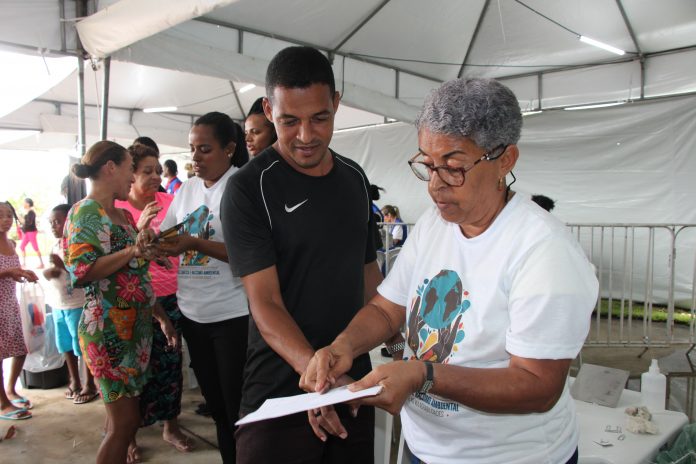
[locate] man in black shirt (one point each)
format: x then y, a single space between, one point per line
299 231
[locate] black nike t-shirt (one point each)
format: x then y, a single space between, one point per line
319 233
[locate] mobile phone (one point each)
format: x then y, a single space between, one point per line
171 232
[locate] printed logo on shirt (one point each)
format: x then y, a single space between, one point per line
290 209
197 224
435 324
434 329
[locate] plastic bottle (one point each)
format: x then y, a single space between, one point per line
653 387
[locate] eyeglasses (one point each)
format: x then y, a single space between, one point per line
454 177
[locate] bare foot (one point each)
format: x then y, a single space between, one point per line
178 440
133 456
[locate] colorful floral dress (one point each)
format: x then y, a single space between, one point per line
115 329
11 337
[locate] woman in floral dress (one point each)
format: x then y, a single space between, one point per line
109 257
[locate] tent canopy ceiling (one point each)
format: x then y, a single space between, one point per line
387 54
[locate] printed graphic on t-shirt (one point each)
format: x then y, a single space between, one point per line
435 324
198 224
434 329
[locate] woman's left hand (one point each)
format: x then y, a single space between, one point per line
399 379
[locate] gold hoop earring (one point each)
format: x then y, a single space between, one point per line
501 184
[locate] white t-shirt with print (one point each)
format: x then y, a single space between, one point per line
60 294
523 287
207 290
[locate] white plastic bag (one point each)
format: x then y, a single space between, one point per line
32 309
48 357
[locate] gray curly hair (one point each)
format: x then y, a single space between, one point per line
483 110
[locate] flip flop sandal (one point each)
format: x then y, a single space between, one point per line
18 414
85 398
69 394
23 403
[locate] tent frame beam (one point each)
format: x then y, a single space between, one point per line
236 98
215 22
632 33
105 99
121 108
481 17
359 26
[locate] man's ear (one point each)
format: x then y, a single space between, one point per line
336 100
267 108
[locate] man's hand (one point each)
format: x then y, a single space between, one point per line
326 366
325 420
399 379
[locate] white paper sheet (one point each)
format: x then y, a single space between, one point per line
278 407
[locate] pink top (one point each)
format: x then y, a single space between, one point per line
163 280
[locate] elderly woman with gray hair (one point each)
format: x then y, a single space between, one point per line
495 296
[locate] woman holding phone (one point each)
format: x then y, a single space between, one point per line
212 301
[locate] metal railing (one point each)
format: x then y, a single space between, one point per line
647 275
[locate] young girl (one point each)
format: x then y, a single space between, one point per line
12 406
29 232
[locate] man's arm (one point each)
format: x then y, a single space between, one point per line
275 324
373 277
377 321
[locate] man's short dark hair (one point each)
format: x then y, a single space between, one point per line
298 68
545 202
171 167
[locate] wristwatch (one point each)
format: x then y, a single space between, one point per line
429 378
391 349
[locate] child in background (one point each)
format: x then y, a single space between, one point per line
67 306
12 406
29 232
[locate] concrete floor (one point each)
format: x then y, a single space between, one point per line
62 432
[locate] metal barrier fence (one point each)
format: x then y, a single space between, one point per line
647 276
645 272
386 256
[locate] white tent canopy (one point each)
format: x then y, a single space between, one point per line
387 54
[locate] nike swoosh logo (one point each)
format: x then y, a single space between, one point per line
293 208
